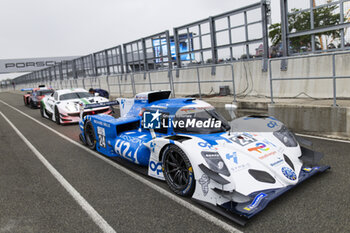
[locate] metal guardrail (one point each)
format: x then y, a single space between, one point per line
171 82
334 77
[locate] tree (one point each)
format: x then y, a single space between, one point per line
301 21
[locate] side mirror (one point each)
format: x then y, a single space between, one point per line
96 94
232 110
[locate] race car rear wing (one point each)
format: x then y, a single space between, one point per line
84 107
100 105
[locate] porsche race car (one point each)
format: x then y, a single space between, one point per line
63 106
234 168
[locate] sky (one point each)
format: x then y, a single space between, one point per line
50 28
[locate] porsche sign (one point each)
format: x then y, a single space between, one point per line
30 64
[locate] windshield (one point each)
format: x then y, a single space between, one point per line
200 121
75 95
45 92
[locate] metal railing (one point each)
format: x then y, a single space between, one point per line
333 77
172 82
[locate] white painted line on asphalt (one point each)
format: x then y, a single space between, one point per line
166 193
94 215
322 138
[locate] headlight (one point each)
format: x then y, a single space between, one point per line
215 162
286 137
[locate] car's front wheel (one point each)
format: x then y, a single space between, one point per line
57 116
178 171
32 104
89 133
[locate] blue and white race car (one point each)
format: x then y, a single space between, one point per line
236 167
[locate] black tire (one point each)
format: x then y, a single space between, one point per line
178 171
31 103
42 110
57 116
24 100
89 133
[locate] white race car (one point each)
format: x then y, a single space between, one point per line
63 106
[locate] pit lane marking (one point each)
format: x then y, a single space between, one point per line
162 191
94 215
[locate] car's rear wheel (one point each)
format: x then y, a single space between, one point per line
24 100
57 116
178 172
89 133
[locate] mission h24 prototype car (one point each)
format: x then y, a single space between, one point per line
235 169
63 106
33 98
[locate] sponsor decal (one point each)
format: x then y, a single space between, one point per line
204 182
256 201
123 149
307 169
205 145
240 167
102 123
153 146
278 162
243 139
289 173
267 155
310 169
158 106
131 138
101 136
190 180
259 147
193 109
272 124
232 156
156 167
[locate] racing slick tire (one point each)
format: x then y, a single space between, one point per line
42 111
24 100
31 103
178 171
57 116
89 133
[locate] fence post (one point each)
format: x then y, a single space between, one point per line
107 81
133 84
172 88
150 82
120 88
284 29
334 83
199 84
271 88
